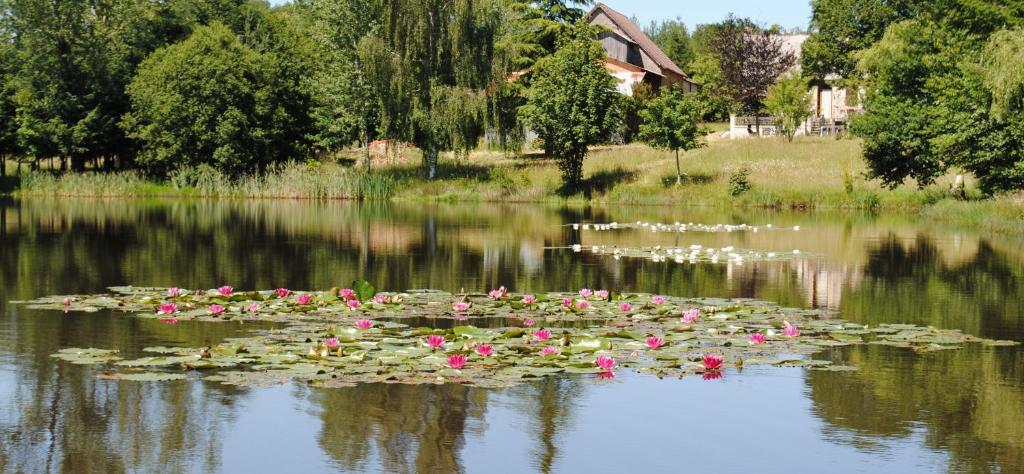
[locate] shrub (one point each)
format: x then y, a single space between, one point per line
739 182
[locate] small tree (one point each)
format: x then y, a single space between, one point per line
789 102
671 122
572 102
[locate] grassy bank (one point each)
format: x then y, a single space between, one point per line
810 173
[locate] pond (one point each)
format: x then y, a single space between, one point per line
902 411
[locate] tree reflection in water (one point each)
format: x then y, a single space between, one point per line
874 269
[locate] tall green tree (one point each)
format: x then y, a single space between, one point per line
410 70
737 60
930 97
212 100
841 28
672 122
8 114
673 38
75 58
572 102
789 102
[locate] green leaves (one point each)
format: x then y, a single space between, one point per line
324 347
364 290
87 356
572 102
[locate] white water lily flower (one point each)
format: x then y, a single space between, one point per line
796 252
575 227
577 248
796 228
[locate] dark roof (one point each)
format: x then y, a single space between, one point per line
637 35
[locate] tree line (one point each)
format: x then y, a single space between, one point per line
943 83
239 86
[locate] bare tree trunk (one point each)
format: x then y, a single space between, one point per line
431 156
366 143
3 165
679 171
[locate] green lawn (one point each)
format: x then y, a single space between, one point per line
809 173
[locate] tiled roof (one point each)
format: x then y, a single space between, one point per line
637 35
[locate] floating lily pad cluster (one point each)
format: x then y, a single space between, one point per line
687 254
678 227
342 337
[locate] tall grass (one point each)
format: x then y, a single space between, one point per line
123 184
293 180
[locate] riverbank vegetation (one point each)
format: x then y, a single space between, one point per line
239 99
807 174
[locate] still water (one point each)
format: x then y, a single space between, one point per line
960 411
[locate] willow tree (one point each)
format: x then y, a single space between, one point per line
408 70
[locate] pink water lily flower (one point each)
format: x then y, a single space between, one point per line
658 299
582 304
542 335
654 342
283 292
457 361
166 308
757 338
225 290
605 363
548 351
215 309
528 322
254 307
332 343
174 292
498 294
790 330
304 299
435 341
601 294
690 316
485 350
713 375
567 302
353 304
625 307
586 293
381 299
364 324
347 294
461 306
529 299
712 362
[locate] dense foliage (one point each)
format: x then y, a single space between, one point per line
789 103
572 102
944 92
672 121
213 100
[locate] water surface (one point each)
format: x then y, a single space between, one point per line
957 410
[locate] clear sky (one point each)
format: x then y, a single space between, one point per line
788 13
